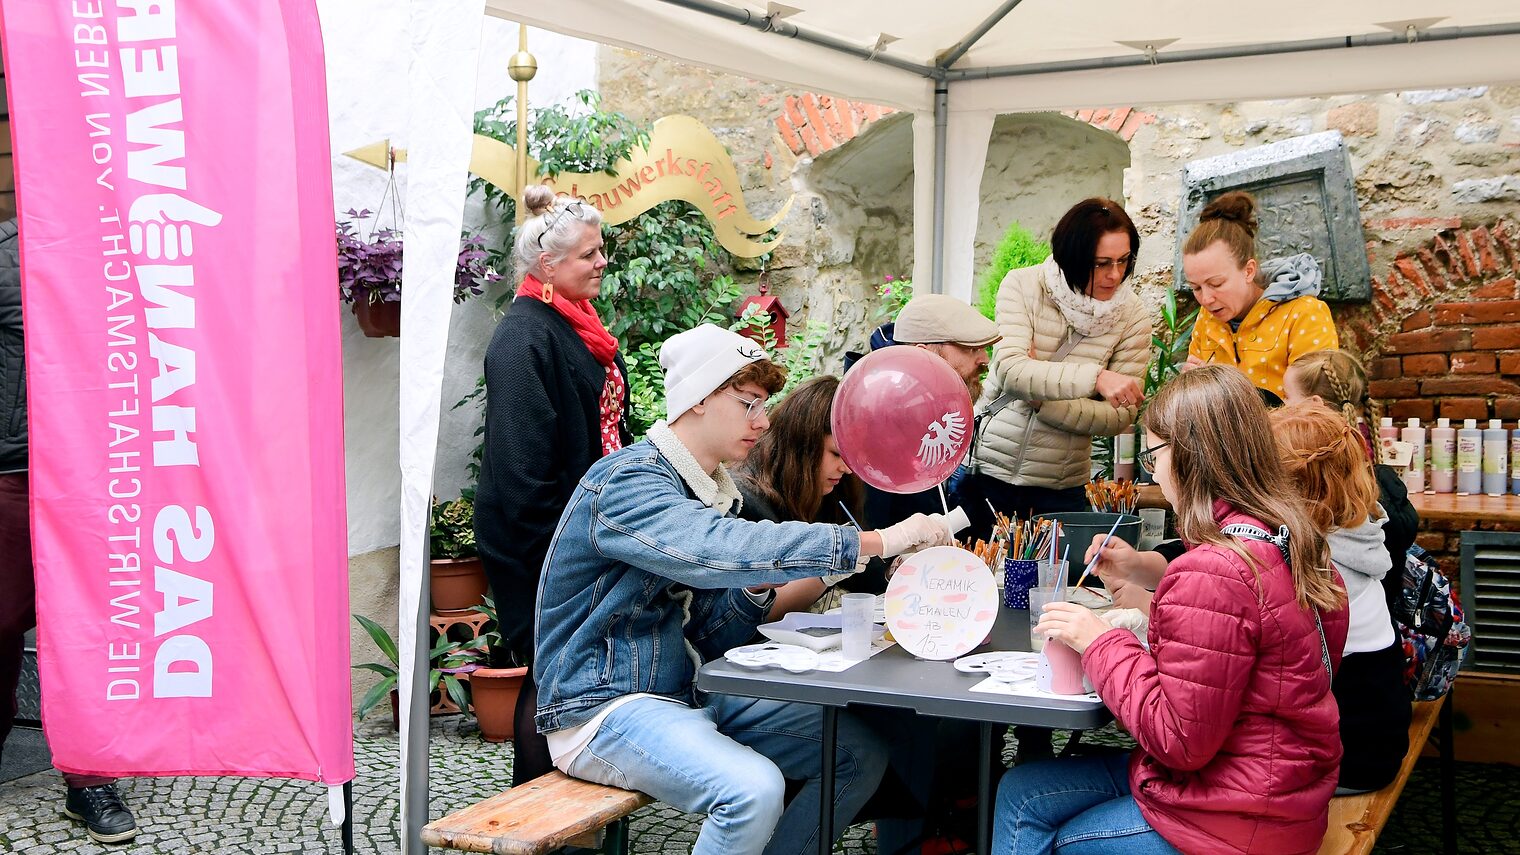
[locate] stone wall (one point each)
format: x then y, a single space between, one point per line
851 168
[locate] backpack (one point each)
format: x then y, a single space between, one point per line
1428 620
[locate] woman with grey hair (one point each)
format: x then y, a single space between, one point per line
556 402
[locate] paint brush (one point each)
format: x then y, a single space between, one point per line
846 509
1097 556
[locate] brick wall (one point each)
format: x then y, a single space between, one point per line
1442 335
817 123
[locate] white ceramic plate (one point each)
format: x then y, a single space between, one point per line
788 657
941 603
815 632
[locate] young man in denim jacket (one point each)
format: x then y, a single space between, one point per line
651 573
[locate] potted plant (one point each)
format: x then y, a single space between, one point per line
449 663
457 580
495 690
369 273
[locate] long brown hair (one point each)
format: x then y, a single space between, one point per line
1324 456
783 465
1222 449
1230 218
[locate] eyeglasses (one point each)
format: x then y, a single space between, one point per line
555 216
1120 263
1147 458
752 409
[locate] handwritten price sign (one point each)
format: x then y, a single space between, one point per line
941 603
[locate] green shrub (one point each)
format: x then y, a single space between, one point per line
1016 250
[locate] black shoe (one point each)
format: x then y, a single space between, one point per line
102 811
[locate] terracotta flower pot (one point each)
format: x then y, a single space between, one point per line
456 583
378 320
493 696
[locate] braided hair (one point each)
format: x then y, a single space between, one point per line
1340 381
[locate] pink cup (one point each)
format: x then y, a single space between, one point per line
1060 669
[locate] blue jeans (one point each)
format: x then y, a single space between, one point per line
729 760
1078 806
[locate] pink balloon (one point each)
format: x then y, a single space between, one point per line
902 418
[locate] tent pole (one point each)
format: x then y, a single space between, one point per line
416 771
959 50
1264 49
941 123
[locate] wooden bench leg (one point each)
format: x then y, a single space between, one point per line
1448 776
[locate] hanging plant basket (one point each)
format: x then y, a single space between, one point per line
378 320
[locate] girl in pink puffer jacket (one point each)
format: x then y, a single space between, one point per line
1231 705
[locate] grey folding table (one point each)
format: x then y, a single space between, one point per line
894 678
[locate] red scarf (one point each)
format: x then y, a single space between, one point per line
582 317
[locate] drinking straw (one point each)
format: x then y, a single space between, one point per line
846 509
1099 554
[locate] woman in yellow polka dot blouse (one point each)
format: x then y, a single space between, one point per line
1257 317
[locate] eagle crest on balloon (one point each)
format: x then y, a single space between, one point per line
940 441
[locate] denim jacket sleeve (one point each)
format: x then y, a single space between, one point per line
722 620
644 517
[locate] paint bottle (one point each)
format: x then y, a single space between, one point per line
1414 476
1386 430
1124 456
1443 453
1495 465
1469 458
1514 462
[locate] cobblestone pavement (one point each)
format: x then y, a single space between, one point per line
259 816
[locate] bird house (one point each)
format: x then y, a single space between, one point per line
772 308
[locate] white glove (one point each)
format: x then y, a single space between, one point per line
953 522
918 530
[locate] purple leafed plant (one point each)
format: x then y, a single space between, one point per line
370 269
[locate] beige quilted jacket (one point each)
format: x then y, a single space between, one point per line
1052 447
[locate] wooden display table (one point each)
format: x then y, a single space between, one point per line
1499 511
1502 510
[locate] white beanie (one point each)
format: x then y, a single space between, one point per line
698 361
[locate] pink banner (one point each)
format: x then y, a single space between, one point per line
184 371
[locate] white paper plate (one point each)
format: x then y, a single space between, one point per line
984 663
805 629
788 657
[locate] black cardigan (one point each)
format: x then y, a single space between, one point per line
543 431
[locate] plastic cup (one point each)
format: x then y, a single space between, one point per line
1152 527
1019 575
856 618
1038 597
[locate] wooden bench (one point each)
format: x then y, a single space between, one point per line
543 815
1356 821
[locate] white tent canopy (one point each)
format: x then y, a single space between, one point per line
955 65
989 57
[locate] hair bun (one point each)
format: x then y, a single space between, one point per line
538 199
1236 206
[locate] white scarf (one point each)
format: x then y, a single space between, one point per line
716 490
1087 316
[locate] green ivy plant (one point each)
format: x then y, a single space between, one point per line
1017 249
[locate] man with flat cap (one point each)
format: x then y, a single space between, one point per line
958 334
